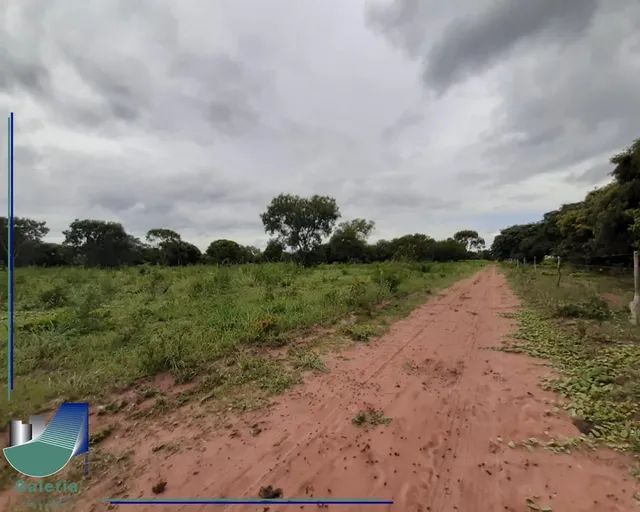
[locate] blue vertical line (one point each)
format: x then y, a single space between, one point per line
8 258
11 258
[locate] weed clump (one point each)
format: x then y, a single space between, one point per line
371 417
307 359
54 297
359 332
162 353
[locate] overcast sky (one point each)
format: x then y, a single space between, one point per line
422 116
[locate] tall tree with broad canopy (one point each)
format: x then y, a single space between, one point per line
301 223
274 251
96 243
27 239
470 239
349 240
170 249
224 252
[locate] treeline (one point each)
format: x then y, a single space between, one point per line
304 230
602 229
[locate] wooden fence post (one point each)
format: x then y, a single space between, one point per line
534 264
634 305
558 283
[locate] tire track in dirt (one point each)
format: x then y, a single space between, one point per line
450 400
333 417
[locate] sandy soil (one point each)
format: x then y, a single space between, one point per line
454 406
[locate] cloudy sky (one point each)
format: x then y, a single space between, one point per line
422 116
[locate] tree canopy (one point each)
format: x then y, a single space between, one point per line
99 243
305 231
168 248
300 223
469 239
349 240
227 251
27 239
603 228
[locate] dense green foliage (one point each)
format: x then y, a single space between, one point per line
101 329
229 252
299 224
168 248
604 228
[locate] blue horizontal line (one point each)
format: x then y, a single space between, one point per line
169 501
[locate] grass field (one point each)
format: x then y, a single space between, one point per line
85 333
583 327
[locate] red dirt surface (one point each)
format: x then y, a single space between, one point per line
454 406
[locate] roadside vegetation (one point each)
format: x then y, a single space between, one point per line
85 333
603 229
583 328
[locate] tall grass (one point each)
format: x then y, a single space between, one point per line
82 333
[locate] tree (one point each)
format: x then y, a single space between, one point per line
300 223
416 247
169 249
27 239
469 239
53 255
603 228
253 254
226 252
449 250
274 251
100 243
182 253
627 164
349 241
382 250
159 236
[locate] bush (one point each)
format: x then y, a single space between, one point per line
357 293
387 277
593 308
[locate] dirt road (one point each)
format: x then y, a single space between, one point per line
454 406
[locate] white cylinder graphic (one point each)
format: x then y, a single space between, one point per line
19 433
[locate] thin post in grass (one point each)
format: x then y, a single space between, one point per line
559 275
535 268
634 305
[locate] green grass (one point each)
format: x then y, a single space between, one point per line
82 334
583 328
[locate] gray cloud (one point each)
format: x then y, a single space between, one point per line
420 116
405 121
470 45
592 175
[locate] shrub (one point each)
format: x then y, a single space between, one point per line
387 277
593 308
356 291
